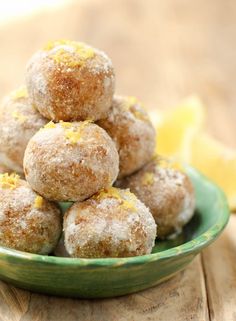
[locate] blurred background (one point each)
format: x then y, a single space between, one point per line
162 50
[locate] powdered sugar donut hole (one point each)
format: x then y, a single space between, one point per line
113 223
167 192
28 222
69 80
19 121
129 126
70 161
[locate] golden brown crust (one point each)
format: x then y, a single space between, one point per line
19 121
28 222
70 161
62 86
113 223
130 128
167 192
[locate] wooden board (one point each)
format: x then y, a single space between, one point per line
163 302
220 275
162 52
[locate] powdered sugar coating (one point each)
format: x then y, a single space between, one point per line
25 226
105 227
130 128
19 121
167 192
66 84
70 161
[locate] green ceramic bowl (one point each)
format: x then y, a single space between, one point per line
99 278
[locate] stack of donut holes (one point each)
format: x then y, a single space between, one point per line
66 137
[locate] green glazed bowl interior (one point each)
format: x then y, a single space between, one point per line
99 278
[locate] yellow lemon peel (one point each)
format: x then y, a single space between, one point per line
74 135
76 58
38 202
130 105
177 128
113 192
9 181
65 124
148 178
129 204
181 135
169 163
49 125
217 162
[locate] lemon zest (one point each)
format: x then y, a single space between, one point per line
74 136
129 205
148 178
139 115
113 192
49 125
38 202
129 105
169 163
65 124
63 56
129 102
9 181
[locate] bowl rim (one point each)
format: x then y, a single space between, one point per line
193 246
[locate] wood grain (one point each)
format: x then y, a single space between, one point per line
220 273
162 51
159 303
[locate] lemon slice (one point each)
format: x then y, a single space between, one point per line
181 136
217 162
177 128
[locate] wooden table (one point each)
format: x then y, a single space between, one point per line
162 51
